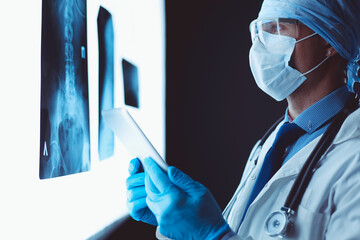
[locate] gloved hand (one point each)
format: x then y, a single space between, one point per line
136 194
184 208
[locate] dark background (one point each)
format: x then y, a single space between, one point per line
214 111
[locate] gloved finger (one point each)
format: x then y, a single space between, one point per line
145 215
150 187
135 166
154 207
182 180
157 175
136 208
149 217
136 180
135 193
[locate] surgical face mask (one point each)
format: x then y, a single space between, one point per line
270 65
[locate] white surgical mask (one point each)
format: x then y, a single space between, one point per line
270 65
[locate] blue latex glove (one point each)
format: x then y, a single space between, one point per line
136 194
184 208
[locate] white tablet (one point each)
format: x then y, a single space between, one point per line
131 136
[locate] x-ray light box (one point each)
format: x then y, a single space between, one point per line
62 172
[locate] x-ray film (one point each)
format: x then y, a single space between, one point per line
106 80
131 135
64 127
131 84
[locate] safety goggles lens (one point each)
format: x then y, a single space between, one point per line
277 26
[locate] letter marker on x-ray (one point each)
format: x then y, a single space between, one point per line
45 153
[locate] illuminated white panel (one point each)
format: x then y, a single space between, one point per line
75 206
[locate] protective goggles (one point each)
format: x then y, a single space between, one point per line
276 26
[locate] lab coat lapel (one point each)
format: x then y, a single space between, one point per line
291 167
238 202
274 194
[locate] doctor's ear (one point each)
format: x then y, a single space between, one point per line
330 50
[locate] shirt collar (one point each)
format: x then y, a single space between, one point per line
322 111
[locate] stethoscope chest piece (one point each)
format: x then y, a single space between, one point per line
278 224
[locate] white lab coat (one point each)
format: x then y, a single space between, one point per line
330 208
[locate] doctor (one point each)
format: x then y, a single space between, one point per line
304 51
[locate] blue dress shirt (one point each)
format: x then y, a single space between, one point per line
316 119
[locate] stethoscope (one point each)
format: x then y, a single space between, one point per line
280 223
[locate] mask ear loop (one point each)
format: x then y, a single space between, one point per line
313 69
311 35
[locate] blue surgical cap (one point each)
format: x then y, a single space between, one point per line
337 21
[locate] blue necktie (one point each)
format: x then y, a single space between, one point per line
286 136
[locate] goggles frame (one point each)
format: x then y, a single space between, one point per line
276 26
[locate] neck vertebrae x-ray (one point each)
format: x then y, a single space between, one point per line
64 141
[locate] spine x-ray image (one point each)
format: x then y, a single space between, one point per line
106 80
64 136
